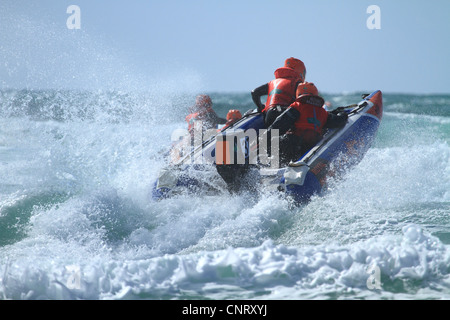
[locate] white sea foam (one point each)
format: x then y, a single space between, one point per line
282 272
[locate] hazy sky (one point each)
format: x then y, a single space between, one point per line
230 45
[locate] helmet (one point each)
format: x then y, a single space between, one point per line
297 65
233 115
308 93
306 88
203 103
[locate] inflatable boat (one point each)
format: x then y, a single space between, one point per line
220 164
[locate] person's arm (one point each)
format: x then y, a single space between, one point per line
336 120
258 93
221 120
286 120
215 119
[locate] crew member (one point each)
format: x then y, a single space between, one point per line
280 91
203 111
301 125
232 116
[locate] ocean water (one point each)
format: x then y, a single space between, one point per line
77 220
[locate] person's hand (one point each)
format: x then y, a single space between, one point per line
343 115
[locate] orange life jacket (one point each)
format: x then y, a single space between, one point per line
282 90
190 119
311 121
227 124
201 115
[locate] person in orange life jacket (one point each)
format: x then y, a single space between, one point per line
232 116
203 111
280 91
301 125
